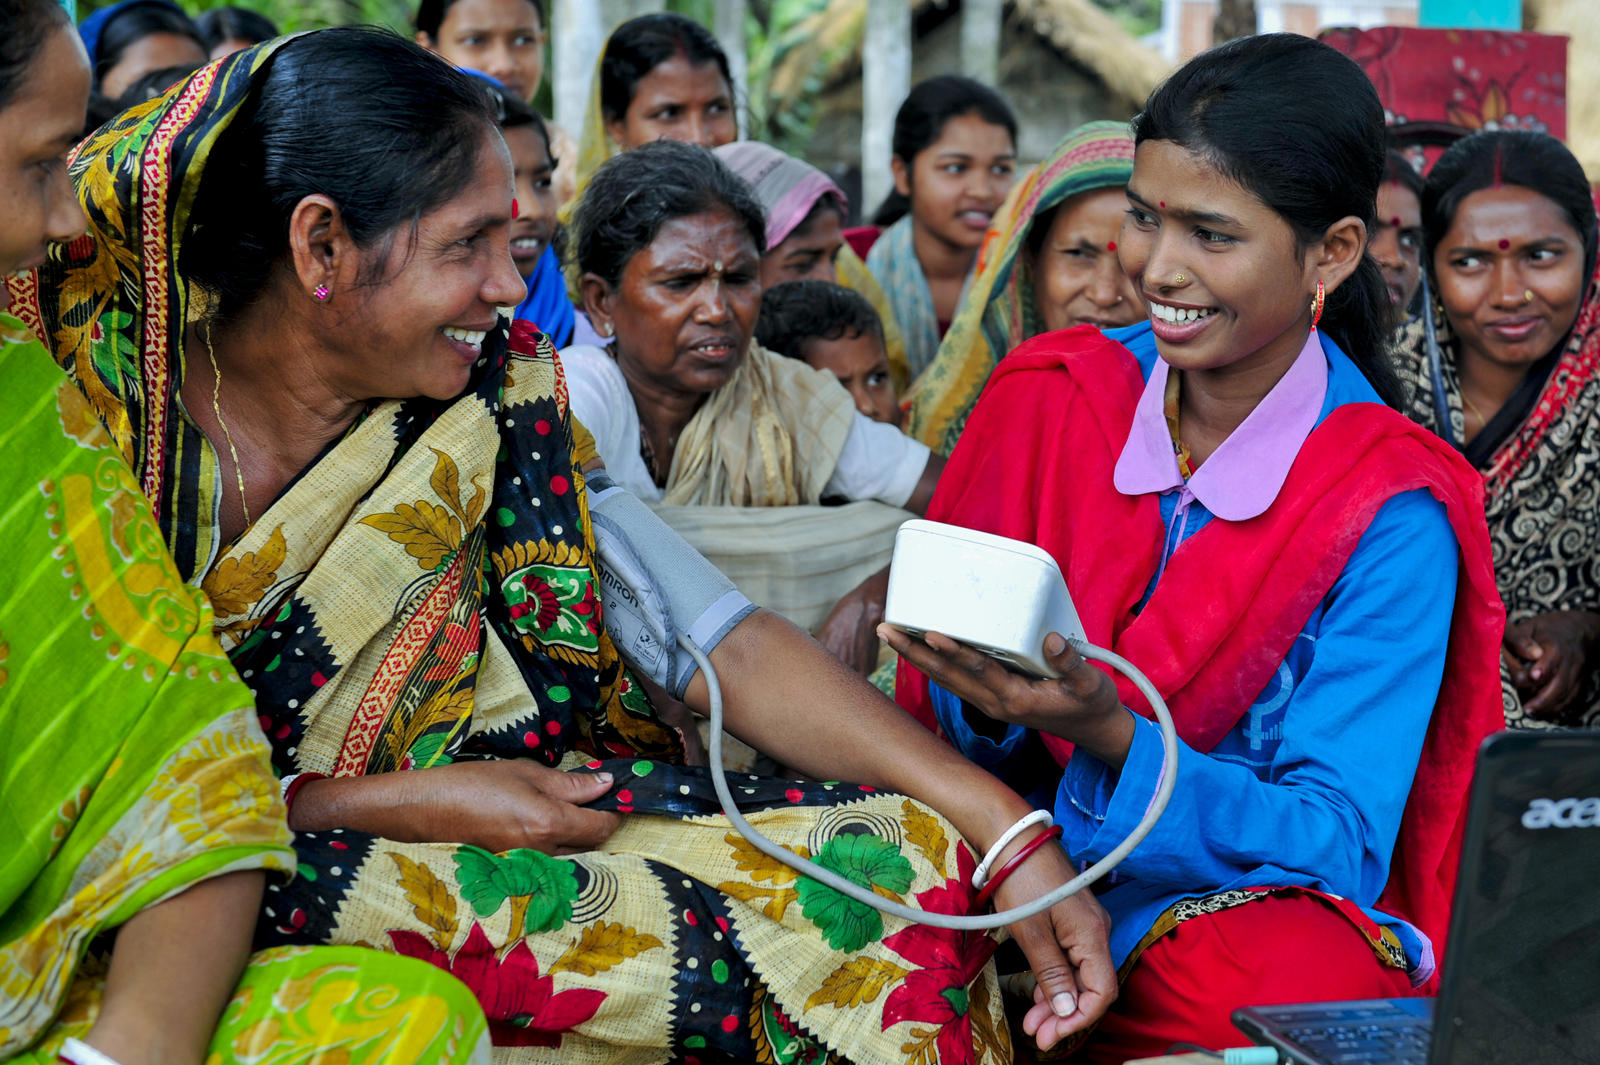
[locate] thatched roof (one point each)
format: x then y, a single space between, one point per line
1099 43
1089 36
1577 19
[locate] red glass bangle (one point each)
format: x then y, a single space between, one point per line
296 784
987 891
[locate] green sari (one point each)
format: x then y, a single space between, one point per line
134 768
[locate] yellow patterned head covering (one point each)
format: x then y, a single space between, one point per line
1000 311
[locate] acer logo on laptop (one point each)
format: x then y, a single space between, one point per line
1563 813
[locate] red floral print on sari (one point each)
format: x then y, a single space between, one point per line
541 598
937 993
524 1008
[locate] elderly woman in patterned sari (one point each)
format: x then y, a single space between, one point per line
137 804
289 328
1049 261
1506 366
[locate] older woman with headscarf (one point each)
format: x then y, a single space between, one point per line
686 408
284 314
805 233
1048 262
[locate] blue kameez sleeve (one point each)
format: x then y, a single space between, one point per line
995 755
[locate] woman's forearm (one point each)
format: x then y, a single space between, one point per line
173 970
785 695
373 803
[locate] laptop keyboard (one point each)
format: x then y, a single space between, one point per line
1390 1043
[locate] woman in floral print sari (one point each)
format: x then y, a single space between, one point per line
385 500
137 805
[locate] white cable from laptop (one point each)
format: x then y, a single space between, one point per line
976 922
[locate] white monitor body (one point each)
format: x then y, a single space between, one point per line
1000 596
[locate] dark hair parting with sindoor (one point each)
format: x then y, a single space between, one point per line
431 13
1397 169
634 194
641 44
796 313
1297 124
381 126
1492 158
921 119
24 27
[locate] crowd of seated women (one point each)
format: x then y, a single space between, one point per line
359 418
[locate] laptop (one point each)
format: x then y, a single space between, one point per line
1521 980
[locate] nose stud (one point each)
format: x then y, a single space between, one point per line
1527 295
1179 279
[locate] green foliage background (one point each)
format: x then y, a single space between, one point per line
782 37
772 29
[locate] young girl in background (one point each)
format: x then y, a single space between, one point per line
504 39
954 158
662 77
527 137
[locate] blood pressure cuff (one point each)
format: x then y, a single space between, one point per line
655 586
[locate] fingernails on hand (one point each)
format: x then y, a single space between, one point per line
604 778
883 632
1538 673
1064 1004
1055 643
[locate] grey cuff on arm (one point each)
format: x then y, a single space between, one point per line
655 586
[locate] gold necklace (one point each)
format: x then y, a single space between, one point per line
216 408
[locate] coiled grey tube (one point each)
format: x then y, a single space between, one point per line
976 922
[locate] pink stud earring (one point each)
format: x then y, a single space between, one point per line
320 292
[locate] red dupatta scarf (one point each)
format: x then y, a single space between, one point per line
1036 464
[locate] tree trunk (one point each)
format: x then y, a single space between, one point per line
578 34
1235 18
885 80
981 21
729 29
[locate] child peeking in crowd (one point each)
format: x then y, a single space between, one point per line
533 230
830 327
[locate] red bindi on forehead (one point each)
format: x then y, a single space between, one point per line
1504 244
1111 246
1395 221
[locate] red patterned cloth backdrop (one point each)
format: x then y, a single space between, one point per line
1437 85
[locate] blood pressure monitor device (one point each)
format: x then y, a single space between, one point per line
999 596
1002 597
